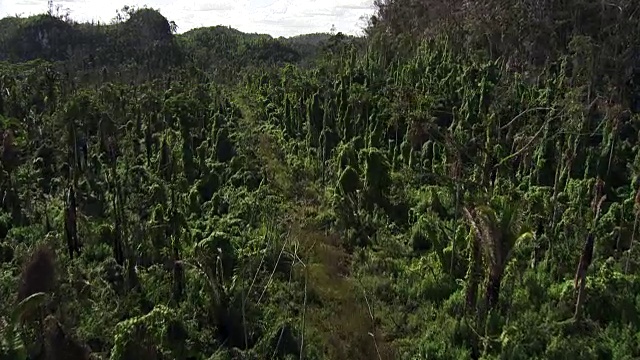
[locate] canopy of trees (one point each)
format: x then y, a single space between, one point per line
461 183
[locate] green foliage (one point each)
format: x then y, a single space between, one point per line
11 345
422 192
156 334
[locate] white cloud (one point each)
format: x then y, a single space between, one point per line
274 17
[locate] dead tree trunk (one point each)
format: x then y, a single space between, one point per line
71 228
580 280
581 274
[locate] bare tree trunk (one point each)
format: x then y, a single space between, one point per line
587 251
554 197
633 235
493 289
473 276
581 293
455 233
636 207
457 170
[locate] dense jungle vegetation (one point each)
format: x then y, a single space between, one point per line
461 183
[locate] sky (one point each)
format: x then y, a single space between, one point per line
274 17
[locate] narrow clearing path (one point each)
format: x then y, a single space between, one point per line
337 309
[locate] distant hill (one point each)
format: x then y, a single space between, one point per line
316 39
220 49
39 36
222 31
308 45
144 38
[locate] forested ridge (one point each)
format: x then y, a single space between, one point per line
463 182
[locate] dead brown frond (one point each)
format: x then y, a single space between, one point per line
455 168
598 198
492 240
474 272
7 142
59 345
599 206
38 275
488 234
8 151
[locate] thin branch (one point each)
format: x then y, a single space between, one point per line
244 316
522 114
255 276
274 270
373 321
472 222
521 150
275 351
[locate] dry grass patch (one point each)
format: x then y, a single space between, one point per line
339 314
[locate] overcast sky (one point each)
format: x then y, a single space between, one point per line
275 17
